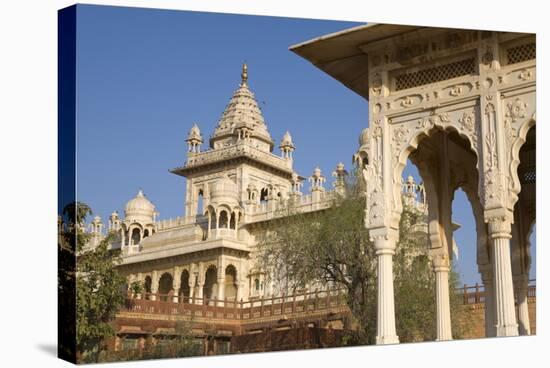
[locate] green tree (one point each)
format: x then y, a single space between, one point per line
70 238
332 247
87 276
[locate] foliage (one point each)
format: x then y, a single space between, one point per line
331 247
99 295
136 287
181 344
70 238
90 288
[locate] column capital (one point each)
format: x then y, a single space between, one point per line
441 263
384 240
499 227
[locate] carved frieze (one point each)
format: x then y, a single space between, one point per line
458 90
372 176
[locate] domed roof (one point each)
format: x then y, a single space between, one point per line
242 111
194 133
287 140
224 188
364 136
139 205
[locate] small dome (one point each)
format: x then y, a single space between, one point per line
364 136
194 133
287 140
317 172
410 179
140 207
224 188
97 219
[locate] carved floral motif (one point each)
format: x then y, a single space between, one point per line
516 109
525 75
467 121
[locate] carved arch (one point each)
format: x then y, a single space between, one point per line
515 186
405 143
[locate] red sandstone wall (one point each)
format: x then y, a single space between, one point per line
476 319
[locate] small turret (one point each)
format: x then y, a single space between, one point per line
114 221
340 174
287 146
97 225
194 140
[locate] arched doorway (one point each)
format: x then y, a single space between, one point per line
209 289
224 220
147 286
136 237
184 291
230 282
165 286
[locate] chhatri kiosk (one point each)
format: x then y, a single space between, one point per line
460 104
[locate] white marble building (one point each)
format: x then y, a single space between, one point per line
234 188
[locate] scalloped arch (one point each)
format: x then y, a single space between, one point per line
515 149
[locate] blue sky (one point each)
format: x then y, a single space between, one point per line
145 76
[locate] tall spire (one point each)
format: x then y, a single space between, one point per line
242 113
244 75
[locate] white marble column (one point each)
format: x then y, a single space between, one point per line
499 233
176 284
489 294
221 290
191 284
443 315
154 284
200 292
385 333
521 285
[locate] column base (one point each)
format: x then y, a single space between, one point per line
387 340
507 330
444 339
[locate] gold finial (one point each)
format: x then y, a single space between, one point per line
244 74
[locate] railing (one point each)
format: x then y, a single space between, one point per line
237 150
280 306
476 294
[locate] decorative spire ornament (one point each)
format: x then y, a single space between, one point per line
244 75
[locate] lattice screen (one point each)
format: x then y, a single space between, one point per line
521 53
435 74
529 177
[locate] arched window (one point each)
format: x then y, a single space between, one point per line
263 195
257 285
184 291
200 202
231 282
147 286
224 221
212 215
145 233
165 286
209 282
136 238
232 222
